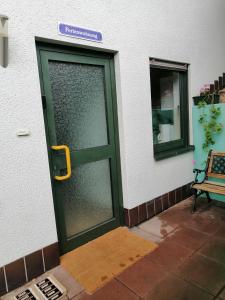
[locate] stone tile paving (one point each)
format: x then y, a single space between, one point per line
189 263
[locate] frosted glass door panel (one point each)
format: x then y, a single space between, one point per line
79 104
87 197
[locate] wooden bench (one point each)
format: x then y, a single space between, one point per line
215 169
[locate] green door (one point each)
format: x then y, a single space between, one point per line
78 92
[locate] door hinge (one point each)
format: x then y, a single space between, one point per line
44 103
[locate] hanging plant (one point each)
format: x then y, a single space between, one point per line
210 124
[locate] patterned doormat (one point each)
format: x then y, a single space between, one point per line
97 262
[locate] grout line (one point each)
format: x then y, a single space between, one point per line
138 215
129 221
127 287
25 268
208 257
79 294
220 291
43 259
168 200
175 196
154 208
185 224
6 283
147 210
192 283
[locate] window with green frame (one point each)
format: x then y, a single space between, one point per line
169 96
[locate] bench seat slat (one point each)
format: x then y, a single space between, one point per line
211 188
215 182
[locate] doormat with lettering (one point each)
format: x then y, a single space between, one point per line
97 262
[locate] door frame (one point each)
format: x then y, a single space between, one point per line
74 49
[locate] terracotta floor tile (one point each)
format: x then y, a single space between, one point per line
178 214
157 226
169 255
185 203
142 277
212 228
146 235
215 212
188 238
114 290
203 224
211 212
215 249
173 288
221 232
207 274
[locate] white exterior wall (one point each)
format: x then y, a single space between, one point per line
180 30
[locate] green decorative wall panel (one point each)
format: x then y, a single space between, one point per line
200 155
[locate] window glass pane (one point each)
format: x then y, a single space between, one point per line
165 94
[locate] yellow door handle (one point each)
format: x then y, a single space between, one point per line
68 162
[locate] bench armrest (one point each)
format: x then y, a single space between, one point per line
198 171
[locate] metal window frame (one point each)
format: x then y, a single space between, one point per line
183 142
169 65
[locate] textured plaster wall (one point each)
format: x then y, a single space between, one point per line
182 30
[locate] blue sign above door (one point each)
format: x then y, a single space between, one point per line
79 33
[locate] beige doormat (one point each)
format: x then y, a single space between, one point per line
97 262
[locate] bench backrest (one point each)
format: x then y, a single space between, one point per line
216 164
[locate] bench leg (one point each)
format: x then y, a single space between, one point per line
208 197
194 201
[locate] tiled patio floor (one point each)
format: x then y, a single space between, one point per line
189 263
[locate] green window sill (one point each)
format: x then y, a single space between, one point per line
174 152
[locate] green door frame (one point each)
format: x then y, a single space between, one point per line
66 53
